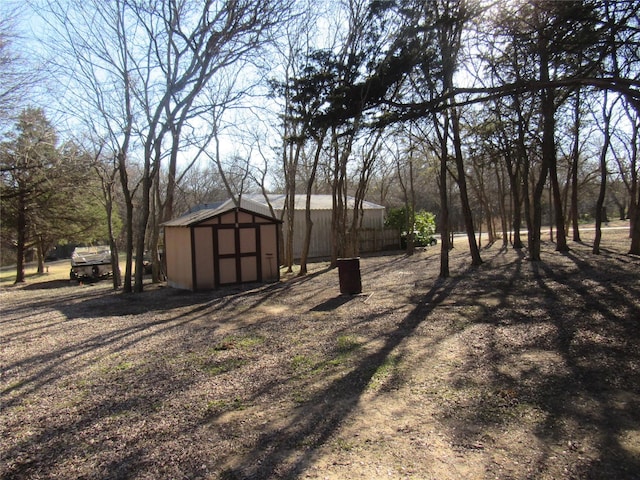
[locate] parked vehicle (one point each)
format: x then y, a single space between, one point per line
91 262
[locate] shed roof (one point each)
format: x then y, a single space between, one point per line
204 212
318 202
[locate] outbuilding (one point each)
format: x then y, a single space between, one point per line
373 235
222 244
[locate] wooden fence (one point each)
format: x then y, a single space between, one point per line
376 240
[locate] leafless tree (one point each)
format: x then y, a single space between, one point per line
158 59
187 44
92 47
17 76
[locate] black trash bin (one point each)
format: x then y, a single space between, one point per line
349 273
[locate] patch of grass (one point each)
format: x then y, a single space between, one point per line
384 372
120 366
344 445
224 366
17 385
124 365
249 341
236 341
303 364
348 343
225 405
75 398
300 397
56 271
212 361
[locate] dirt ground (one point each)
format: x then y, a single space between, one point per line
512 370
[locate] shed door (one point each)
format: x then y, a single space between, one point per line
237 256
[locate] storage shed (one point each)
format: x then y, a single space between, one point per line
222 244
372 233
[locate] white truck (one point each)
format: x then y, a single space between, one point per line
91 262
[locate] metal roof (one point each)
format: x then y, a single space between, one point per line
318 202
206 211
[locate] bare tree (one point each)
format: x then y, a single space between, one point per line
159 57
406 171
441 25
187 44
92 48
313 167
17 76
451 19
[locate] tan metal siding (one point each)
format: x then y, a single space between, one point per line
320 244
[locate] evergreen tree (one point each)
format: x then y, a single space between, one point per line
47 195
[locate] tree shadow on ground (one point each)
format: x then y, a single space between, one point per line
574 371
287 451
117 393
582 319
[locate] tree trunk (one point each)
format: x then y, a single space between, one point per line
113 246
444 219
141 229
128 200
502 205
307 211
514 182
548 149
151 167
157 274
335 201
107 176
600 214
549 154
409 198
445 240
167 210
536 225
308 228
575 214
22 238
561 236
290 169
40 253
368 161
410 202
464 197
634 193
635 232
340 243
520 195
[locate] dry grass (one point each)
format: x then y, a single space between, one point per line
510 370
58 270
